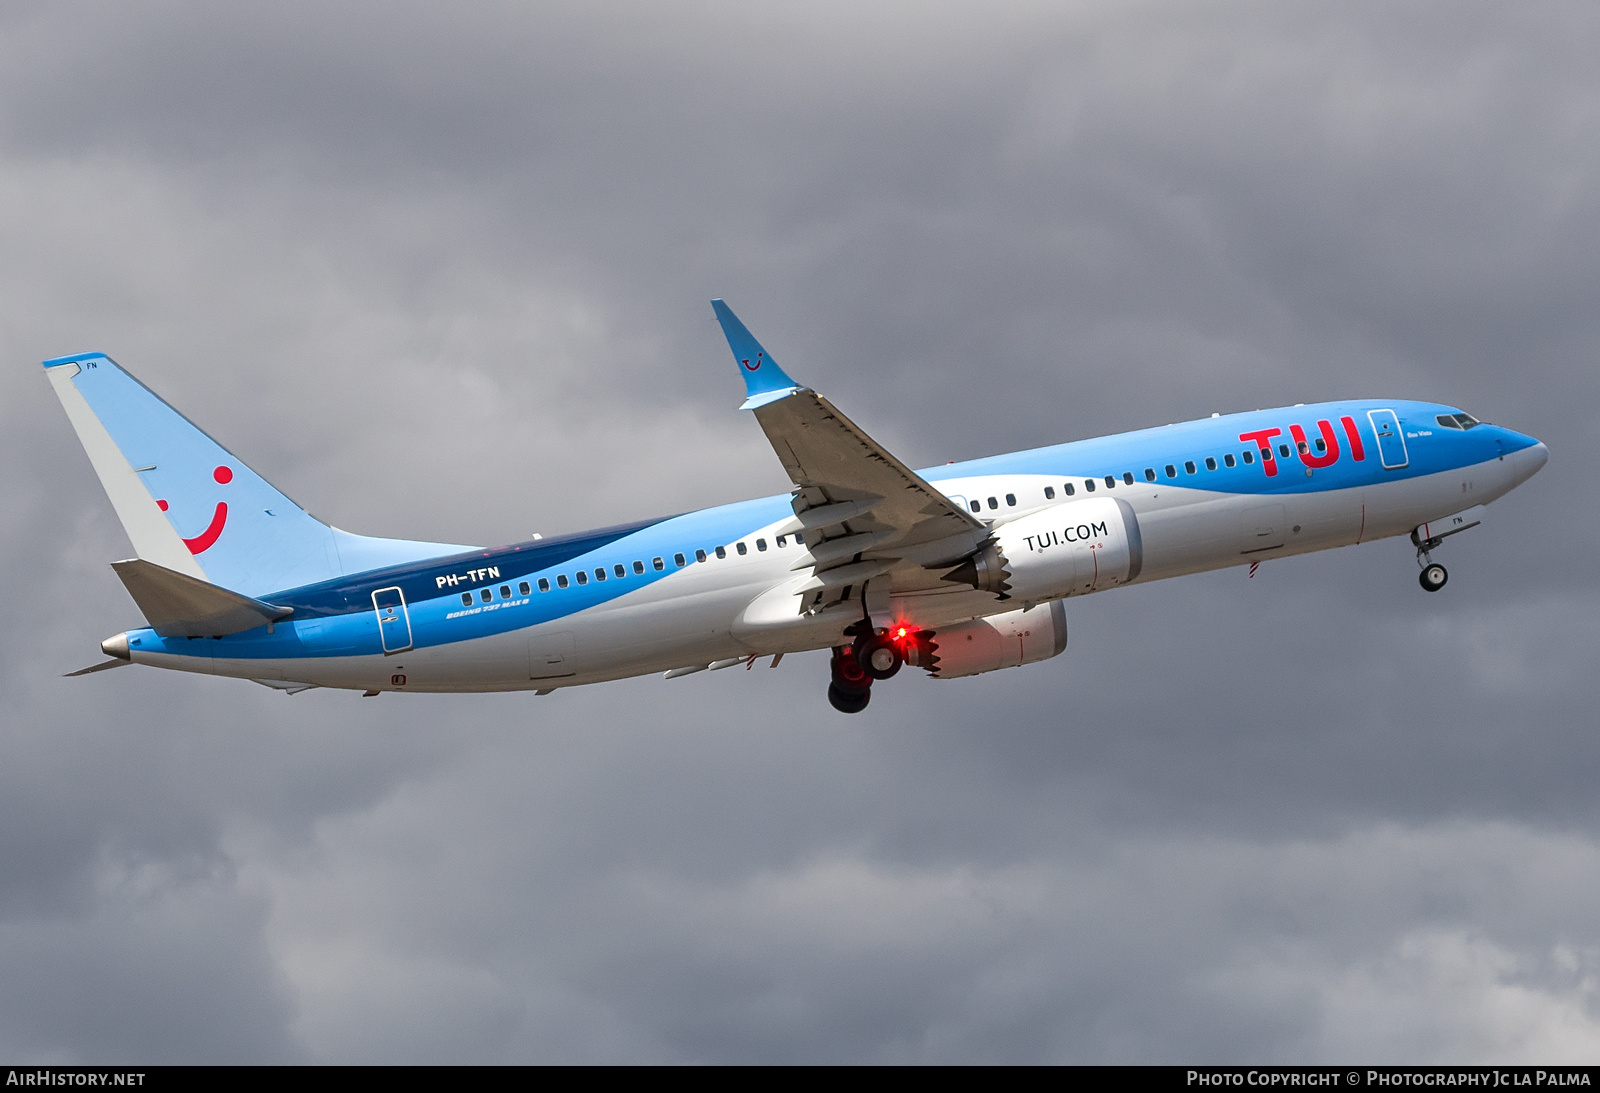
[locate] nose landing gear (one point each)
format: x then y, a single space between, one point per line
1433 575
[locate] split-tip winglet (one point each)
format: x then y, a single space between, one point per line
764 381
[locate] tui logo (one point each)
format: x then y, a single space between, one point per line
219 518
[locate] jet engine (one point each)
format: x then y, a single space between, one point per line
999 641
1065 550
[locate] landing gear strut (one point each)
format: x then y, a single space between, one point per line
1433 575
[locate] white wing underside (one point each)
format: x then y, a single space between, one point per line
864 514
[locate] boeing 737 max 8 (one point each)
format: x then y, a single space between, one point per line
956 570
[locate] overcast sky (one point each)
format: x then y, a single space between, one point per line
441 272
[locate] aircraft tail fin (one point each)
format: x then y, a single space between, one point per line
192 507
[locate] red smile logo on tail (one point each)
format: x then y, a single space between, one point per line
203 542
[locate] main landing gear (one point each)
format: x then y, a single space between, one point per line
851 688
875 655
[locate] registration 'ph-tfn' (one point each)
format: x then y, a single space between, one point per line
954 570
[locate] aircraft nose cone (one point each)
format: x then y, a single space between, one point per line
116 646
1527 462
1534 459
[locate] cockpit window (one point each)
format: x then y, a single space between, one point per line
1448 421
1467 420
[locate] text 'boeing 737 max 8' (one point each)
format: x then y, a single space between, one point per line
955 570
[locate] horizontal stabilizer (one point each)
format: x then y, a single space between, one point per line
178 606
102 666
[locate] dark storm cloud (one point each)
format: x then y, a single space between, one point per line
443 275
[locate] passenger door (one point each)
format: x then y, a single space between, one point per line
394 621
1391 441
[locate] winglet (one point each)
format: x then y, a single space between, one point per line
764 381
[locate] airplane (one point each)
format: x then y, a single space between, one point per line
955 570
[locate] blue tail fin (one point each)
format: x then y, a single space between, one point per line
190 505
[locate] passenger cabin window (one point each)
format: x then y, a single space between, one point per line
761 544
1301 446
1069 488
1266 454
1249 456
722 552
1172 472
583 578
638 566
1011 499
1127 478
741 548
1227 460
485 595
994 504
782 541
544 584
1211 463
466 599
1149 474
658 563
975 506
679 560
1088 484
1189 467
1049 493
505 592
523 588
561 580
1283 450
699 555
600 573
1111 481
619 571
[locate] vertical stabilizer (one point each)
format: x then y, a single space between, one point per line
193 507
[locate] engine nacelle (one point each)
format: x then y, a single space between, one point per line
1065 550
999 641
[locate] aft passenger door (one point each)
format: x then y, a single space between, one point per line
394 621
1391 441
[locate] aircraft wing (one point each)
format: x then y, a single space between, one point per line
846 481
